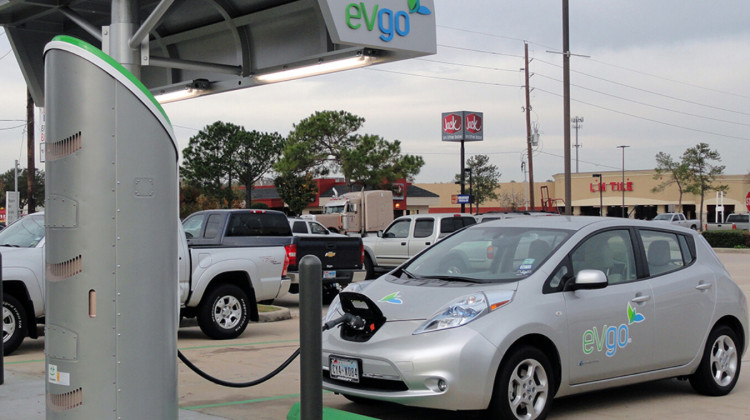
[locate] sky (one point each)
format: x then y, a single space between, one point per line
657 76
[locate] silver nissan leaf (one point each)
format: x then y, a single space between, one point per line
504 316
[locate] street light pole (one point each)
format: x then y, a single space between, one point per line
622 186
471 192
601 202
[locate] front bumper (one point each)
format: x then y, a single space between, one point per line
404 368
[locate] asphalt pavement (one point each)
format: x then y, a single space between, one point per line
264 346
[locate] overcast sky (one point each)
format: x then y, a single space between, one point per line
661 76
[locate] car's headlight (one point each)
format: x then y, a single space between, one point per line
464 310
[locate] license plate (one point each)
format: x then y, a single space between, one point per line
329 274
343 369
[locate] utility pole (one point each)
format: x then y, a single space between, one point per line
622 187
30 157
528 127
577 121
566 108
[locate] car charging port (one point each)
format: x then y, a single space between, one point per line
365 318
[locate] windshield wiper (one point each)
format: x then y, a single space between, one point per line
11 245
459 278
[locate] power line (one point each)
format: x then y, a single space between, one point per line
467 65
14 127
584 161
442 78
479 51
646 104
649 91
648 119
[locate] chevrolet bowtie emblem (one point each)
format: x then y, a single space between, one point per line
330 254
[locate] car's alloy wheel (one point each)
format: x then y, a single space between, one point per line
224 314
720 366
14 322
524 386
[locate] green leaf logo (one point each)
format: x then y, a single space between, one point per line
416 7
394 298
633 316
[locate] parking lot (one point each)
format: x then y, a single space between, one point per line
266 345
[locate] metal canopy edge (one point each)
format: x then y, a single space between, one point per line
225 44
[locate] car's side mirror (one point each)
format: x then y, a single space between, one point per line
380 234
590 279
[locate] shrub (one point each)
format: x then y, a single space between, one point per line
727 238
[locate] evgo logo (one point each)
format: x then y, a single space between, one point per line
390 23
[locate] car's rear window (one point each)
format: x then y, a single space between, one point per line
258 224
738 218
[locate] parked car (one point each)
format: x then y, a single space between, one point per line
500 215
678 219
222 272
406 236
542 307
341 256
735 221
302 227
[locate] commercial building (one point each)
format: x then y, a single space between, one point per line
642 198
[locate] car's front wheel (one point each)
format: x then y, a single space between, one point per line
14 324
524 386
720 365
224 313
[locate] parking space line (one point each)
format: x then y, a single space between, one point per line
257 400
20 362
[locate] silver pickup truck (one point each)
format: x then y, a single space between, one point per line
735 221
678 219
222 273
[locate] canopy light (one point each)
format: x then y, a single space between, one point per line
322 67
182 91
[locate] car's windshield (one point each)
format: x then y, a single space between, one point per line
488 254
25 233
663 217
334 209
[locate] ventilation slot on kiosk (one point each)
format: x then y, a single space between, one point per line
64 147
66 401
65 269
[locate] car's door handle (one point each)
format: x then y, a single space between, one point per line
640 299
403 243
426 243
703 286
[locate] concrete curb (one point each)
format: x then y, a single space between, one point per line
278 314
732 250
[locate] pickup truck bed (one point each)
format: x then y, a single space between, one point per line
341 257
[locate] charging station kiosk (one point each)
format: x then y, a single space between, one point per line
111 180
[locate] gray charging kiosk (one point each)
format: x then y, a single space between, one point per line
111 182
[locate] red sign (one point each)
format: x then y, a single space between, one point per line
747 201
613 186
474 123
451 123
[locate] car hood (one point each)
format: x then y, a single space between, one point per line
418 299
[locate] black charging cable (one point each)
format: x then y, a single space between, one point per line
353 320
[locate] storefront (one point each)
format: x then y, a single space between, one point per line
638 191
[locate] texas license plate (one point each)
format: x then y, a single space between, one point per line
329 274
343 369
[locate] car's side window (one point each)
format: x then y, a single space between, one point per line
317 228
609 251
299 227
663 251
423 228
213 225
399 229
193 226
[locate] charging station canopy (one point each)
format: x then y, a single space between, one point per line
212 46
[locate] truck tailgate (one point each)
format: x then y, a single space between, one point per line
335 253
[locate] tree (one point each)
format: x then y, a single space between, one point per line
327 142
484 179
224 154
297 190
7 183
375 162
316 143
702 171
678 174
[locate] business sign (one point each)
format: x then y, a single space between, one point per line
747 201
11 207
463 126
462 198
404 25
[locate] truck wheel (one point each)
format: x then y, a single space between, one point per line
224 313
369 269
14 324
